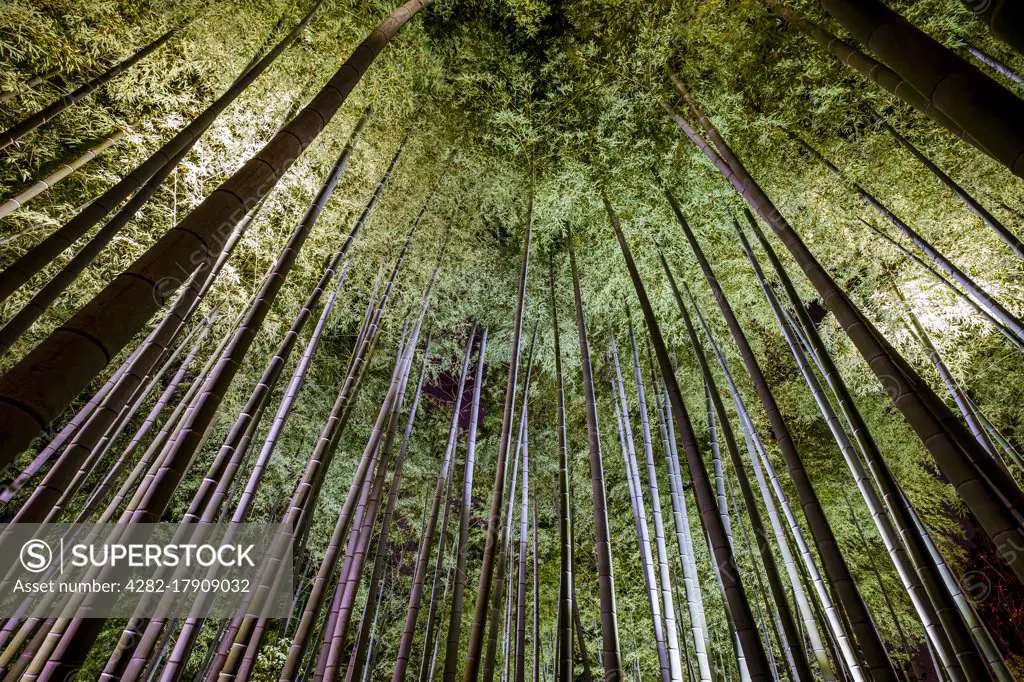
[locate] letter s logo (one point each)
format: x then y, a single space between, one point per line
36 556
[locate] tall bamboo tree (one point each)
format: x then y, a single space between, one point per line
62 171
41 385
664 571
764 472
360 650
142 181
988 112
681 523
503 591
735 596
867 66
934 273
480 613
524 508
983 214
221 378
958 394
611 658
420 574
564 654
991 61
636 499
985 488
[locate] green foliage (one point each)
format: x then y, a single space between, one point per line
567 91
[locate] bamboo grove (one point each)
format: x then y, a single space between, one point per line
566 339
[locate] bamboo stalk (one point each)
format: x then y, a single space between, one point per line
27 125
454 636
68 359
564 651
62 171
735 596
480 612
612 660
364 637
987 490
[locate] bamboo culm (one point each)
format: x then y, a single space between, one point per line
299 514
214 488
988 112
564 654
504 567
308 488
983 313
950 636
479 624
611 658
364 637
524 508
72 355
65 169
30 83
664 571
991 61
869 67
123 386
164 160
1010 239
761 466
993 497
918 544
643 533
735 595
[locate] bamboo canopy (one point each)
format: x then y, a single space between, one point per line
552 340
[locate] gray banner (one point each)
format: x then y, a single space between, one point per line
151 570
